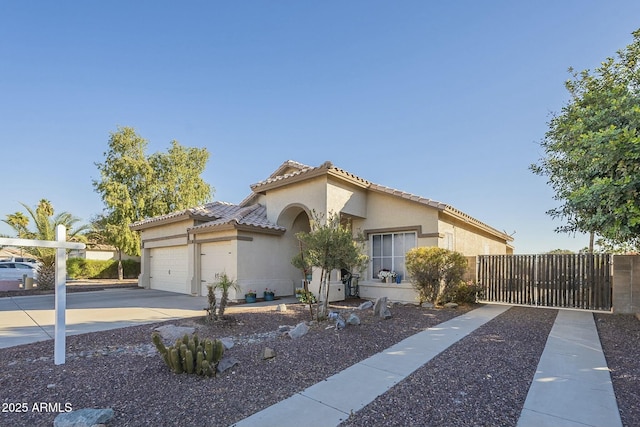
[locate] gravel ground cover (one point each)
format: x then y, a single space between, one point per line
620 339
119 368
482 380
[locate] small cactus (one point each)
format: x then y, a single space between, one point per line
190 354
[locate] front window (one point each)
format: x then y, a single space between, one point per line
387 252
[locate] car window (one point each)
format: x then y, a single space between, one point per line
4 266
23 266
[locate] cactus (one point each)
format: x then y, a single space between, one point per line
176 363
199 360
157 341
190 354
208 350
196 340
218 351
206 368
189 362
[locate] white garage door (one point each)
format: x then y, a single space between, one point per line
168 269
214 259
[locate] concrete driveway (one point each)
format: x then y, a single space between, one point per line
29 319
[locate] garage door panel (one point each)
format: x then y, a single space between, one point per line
168 269
214 259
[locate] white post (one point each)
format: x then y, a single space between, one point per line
60 244
61 298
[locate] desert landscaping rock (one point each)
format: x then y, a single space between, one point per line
171 333
451 305
268 353
226 363
299 331
365 305
353 319
83 418
281 307
227 342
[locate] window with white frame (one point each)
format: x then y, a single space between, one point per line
448 241
387 252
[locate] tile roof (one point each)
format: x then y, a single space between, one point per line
249 213
327 167
252 216
216 214
300 170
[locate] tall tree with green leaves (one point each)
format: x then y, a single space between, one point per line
45 222
134 186
592 150
330 245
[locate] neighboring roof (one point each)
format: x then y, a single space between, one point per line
300 172
215 214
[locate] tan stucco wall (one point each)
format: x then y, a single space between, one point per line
346 198
311 193
385 211
261 265
469 241
172 229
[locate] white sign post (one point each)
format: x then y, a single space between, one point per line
60 245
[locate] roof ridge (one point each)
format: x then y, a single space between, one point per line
243 212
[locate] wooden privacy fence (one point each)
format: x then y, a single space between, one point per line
553 280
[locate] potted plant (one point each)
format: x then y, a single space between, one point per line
250 296
269 294
386 276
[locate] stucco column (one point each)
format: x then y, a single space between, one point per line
144 280
626 284
193 266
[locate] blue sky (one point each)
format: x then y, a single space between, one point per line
447 100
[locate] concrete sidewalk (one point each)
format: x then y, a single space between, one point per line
361 383
572 385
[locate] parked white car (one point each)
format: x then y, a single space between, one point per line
15 270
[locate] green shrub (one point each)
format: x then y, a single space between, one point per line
464 293
80 268
434 272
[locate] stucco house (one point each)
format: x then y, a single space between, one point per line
254 241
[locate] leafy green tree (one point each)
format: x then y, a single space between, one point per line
592 150
134 186
104 233
44 227
434 272
179 172
330 245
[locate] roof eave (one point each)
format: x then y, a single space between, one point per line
141 225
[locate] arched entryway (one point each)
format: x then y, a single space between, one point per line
295 218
